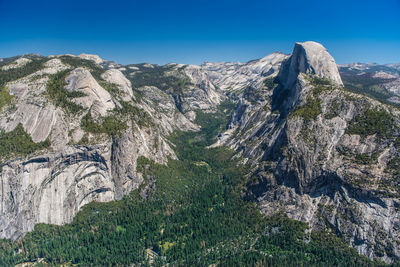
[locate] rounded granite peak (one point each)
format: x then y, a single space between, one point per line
312 57
95 58
311 44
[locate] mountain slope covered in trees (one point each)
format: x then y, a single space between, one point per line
285 160
193 215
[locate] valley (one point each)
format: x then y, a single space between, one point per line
288 159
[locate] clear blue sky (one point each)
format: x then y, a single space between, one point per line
204 30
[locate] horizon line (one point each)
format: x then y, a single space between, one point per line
172 62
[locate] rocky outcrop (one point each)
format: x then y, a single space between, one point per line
202 94
310 58
213 83
114 76
394 65
374 79
307 58
31 107
312 152
20 62
236 77
51 186
310 163
95 58
95 97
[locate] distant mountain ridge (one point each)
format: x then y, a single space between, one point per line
379 81
321 141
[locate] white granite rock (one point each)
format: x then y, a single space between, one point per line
97 98
95 58
20 62
116 77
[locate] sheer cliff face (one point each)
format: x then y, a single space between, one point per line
83 163
321 153
312 57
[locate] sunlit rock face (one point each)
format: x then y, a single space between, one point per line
50 186
311 58
297 135
293 124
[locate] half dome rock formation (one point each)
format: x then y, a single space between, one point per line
318 61
316 151
305 136
310 58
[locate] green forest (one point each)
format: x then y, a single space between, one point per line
193 215
18 143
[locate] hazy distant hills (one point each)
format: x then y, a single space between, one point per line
379 81
284 160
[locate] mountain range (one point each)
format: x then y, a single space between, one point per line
297 140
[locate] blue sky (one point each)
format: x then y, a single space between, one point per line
197 31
